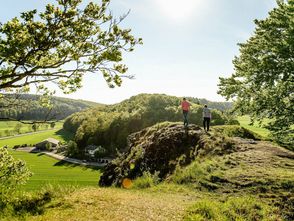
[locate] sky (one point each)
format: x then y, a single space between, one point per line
188 45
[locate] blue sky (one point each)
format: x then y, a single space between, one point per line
188 44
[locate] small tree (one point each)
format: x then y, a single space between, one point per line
17 128
52 125
72 149
7 132
35 127
12 174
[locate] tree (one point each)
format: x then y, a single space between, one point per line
61 45
52 125
263 82
17 128
35 127
72 149
12 173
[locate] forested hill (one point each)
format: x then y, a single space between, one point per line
27 107
110 125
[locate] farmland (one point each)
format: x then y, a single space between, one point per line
47 170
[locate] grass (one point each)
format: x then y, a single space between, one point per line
117 204
25 128
58 134
234 208
47 170
175 202
245 121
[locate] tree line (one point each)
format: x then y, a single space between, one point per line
29 107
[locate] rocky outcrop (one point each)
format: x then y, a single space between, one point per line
161 148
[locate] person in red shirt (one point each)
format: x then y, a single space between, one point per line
186 108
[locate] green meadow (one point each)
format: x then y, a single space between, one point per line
34 138
7 128
245 122
47 170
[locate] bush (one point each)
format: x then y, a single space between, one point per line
48 146
146 181
16 146
235 208
13 173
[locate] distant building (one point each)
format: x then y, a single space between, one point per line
53 143
90 150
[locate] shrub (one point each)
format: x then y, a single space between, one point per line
146 181
48 146
12 174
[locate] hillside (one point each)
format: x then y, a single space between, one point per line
177 174
109 126
27 107
213 162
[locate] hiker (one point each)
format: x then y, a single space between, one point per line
186 108
206 117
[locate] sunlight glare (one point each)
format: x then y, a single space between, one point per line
178 10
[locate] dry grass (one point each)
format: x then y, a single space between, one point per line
119 204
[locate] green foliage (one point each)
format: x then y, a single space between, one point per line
52 125
146 180
62 44
72 149
109 126
193 173
27 107
263 82
234 208
236 131
12 174
48 146
17 128
256 127
100 152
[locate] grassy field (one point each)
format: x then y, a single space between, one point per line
7 128
47 170
58 134
245 121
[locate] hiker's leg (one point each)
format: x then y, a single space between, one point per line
185 117
204 123
208 122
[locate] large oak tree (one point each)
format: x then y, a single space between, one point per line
262 84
